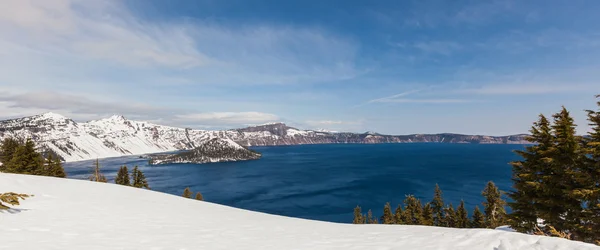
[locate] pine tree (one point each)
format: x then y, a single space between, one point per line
462 216
590 230
560 202
187 193
26 160
478 219
427 215
371 219
358 216
97 175
493 206
53 167
123 177
139 179
7 150
199 196
398 215
450 216
527 177
388 217
413 211
437 205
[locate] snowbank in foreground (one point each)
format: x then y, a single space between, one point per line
76 214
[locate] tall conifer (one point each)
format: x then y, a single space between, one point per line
139 179
427 216
413 211
527 177
591 173
388 217
437 205
358 216
560 205
398 215
26 160
462 216
7 150
493 206
478 219
123 177
449 216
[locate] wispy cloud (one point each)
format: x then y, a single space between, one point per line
227 118
83 108
394 96
433 101
73 42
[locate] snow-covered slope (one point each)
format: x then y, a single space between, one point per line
114 136
69 214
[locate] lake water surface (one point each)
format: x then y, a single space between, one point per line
325 182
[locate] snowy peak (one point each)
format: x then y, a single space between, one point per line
51 116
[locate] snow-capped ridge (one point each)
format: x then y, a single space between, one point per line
118 136
51 116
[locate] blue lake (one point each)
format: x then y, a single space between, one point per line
325 182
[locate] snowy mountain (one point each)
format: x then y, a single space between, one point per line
213 150
118 136
67 214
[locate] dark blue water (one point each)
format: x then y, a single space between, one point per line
325 182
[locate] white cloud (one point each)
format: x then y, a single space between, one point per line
383 99
227 118
74 42
432 101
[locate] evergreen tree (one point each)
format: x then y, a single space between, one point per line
591 170
139 179
388 217
398 215
53 167
123 177
199 196
358 216
493 206
427 215
413 211
7 150
437 205
26 160
462 216
527 177
371 219
187 193
560 202
97 175
450 216
478 219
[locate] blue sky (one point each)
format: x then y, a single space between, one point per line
396 67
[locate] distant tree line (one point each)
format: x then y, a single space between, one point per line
437 213
20 157
556 188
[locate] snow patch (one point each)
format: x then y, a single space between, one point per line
66 214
